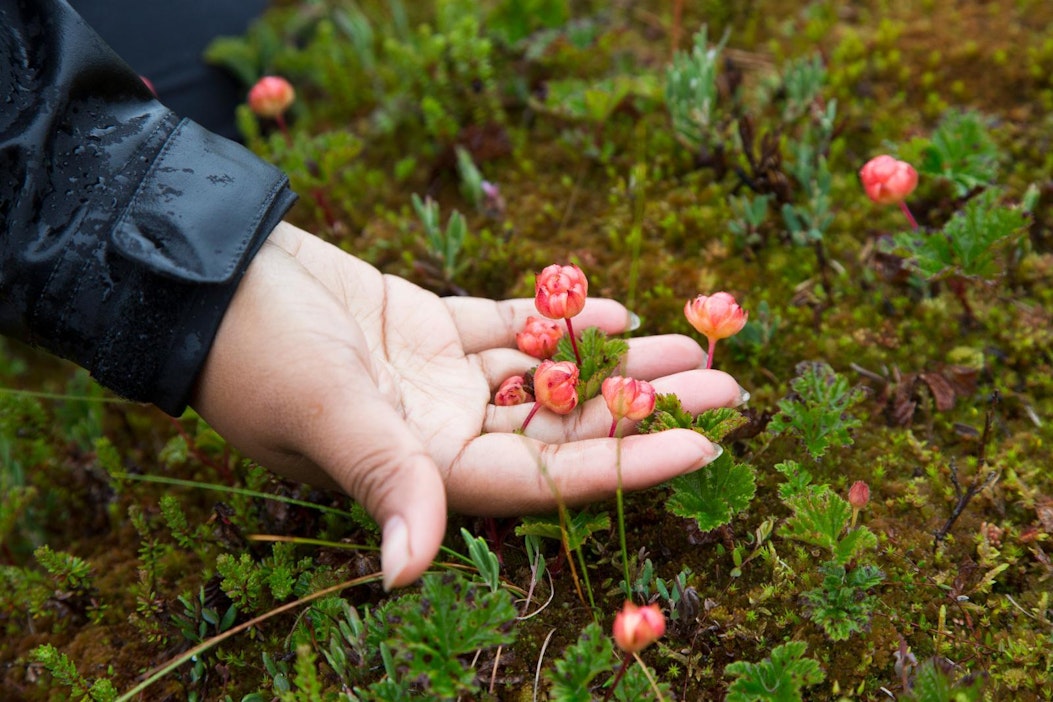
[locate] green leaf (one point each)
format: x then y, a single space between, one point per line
798 480
572 674
969 242
429 633
842 605
713 494
580 527
600 356
855 541
691 93
819 518
717 423
593 101
775 679
484 559
668 414
817 409
714 424
961 151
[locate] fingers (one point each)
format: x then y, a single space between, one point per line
649 357
697 390
653 357
529 474
484 324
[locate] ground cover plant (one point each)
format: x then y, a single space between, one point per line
878 526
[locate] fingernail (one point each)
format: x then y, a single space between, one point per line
744 395
713 454
634 321
394 550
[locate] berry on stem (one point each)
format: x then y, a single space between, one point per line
716 317
555 388
636 628
270 97
627 398
560 293
888 181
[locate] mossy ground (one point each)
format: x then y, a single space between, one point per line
979 602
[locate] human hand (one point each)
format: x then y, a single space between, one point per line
331 373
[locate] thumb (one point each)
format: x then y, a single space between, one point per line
372 454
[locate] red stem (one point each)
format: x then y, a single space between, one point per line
614 425
906 212
573 341
533 411
618 676
709 356
280 119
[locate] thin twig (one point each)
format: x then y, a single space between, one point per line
979 483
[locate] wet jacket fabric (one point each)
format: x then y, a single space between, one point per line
125 229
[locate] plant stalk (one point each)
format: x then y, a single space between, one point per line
618 676
620 501
573 341
907 213
533 411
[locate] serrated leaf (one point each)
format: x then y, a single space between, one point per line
961 151
572 675
819 518
798 480
968 243
855 541
580 527
717 423
775 679
713 494
668 414
451 617
600 356
842 605
817 411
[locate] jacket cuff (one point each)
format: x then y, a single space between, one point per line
150 305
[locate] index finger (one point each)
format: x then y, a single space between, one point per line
509 474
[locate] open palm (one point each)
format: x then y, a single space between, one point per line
329 372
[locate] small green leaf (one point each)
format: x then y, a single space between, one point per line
484 559
775 679
817 409
573 673
713 494
600 356
580 527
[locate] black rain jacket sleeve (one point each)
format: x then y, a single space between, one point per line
125 230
